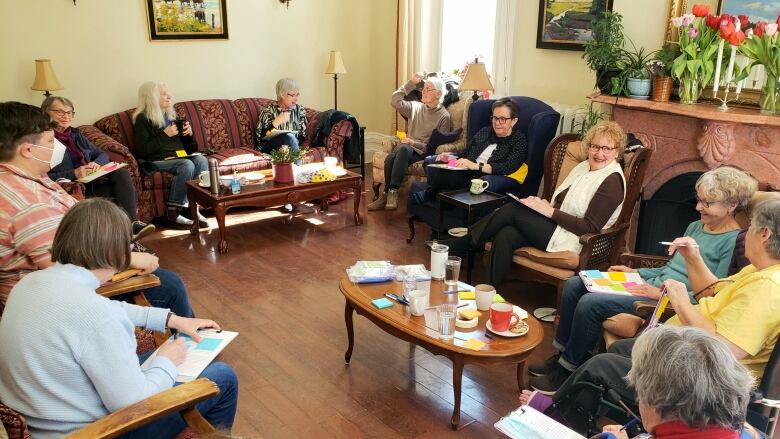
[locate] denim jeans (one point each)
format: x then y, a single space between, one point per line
171 294
396 164
184 170
288 139
581 316
219 411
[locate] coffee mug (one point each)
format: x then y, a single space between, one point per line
330 162
484 295
418 301
478 185
180 124
204 178
501 315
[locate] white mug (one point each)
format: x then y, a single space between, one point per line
478 185
484 295
204 178
331 162
418 301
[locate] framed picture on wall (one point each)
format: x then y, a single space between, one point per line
187 19
757 10
565 24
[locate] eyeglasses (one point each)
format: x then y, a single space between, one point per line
293 95
500 120
604 149
705 203
61 113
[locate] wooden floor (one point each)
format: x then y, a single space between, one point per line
278 286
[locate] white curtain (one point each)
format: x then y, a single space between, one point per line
503 50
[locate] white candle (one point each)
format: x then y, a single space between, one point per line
730 71
742 63
716 81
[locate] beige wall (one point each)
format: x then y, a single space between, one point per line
101 53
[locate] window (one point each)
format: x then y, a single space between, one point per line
467 30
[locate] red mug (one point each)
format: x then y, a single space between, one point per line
501 316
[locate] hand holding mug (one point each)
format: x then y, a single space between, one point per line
187 129
171 130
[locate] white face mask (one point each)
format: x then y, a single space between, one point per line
58 152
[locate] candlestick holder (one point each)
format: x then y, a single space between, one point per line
725 99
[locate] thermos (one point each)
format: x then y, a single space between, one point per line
439 254
214 176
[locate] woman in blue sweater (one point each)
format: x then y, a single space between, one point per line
67 354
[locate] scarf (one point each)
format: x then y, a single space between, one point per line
76 155
678 430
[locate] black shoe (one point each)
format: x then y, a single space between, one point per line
541 369
550 383
141 229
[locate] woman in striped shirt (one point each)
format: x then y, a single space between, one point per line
283 115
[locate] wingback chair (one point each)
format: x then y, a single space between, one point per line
537 120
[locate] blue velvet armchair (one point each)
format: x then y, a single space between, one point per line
537 120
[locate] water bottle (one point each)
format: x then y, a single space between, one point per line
214 176
235 184
438 258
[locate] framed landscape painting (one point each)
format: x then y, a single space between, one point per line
565 24
757 10
187 19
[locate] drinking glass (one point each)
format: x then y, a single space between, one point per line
447 321
451 272
410 284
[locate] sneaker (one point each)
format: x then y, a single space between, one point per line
141 229
550 383
379 203
541 369
137 247
201 220
392 200
181 222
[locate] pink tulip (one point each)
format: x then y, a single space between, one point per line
693 32
687 19
677 21
771 29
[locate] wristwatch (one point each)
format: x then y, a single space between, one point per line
481 165
168 319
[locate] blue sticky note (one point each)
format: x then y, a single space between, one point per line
208 344
382 303
593 274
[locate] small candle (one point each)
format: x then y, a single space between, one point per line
730 71
716 81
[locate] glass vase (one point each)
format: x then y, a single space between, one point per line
690 89
769 96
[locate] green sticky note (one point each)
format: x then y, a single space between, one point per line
618 287
498 299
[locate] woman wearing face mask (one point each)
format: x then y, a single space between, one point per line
82 158
284 114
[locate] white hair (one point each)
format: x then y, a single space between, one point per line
285 85
767 216
149 104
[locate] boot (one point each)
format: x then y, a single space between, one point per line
379 203
392 200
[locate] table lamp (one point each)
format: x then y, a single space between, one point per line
45 79
476 79
335 66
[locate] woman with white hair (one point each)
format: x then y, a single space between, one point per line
158 140
286 116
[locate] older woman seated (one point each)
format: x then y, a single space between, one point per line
67 354
285 115
82 158
587 201
721 193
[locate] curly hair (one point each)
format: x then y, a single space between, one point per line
609 129
728 185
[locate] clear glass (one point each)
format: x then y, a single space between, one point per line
451 272
447 321
769 96
690 89
410 284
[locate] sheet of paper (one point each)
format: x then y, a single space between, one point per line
199 355
527 422
105 169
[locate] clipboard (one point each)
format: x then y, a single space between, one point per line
614 282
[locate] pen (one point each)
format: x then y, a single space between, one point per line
630 423
397 299
458 291
678 245
459 306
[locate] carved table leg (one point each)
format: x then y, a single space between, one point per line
457 377
219 212
348 311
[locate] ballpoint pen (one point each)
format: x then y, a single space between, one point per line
395 297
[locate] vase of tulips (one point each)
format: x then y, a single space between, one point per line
761 47
697 47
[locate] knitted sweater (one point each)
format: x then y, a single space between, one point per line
67 355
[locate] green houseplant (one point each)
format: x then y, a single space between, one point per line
634 76
282 159
604 51
661 69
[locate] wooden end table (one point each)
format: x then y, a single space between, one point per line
266 194
398 322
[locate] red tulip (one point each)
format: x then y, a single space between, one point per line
700 10
744 21
713 22
727 30
759 29
737 38
724 18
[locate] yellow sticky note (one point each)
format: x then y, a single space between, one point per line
181 153
400 134
469 313
498 299
474 344
602 282
467 295
617 276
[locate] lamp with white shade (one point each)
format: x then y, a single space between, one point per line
476 79
45 79
335 66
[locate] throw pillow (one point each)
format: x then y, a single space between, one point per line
438 138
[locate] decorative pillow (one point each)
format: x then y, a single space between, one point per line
438 138
520 174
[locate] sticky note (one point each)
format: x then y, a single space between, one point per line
382 303
469 313
498 299
474 344
467 295
618 287
629 284
400 134
593 274
208 344
603 282
617 276
181 153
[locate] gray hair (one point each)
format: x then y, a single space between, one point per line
49 101
149 103
686 374
285 85
728 185
767 215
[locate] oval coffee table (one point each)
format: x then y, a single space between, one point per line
398 322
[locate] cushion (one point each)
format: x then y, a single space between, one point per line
14 423
623 325
576 152
239 160
438 138
520 174
557 273
566 260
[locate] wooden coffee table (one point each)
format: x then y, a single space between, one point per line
267 194
398 322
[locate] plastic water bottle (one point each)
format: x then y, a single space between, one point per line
235 184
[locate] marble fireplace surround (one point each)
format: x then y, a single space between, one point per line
697 138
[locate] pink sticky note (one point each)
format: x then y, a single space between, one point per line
629 284
452 162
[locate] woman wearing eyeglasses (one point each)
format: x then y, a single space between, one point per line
82 158
587 201
283 115
720 193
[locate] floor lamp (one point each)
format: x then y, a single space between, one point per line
45 79
335 66
476 79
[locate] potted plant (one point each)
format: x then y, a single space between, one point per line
590 117
661 69
282 160
634 77
604 50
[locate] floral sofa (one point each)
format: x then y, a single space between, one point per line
223 128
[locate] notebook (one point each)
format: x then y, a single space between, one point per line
199 355
527 423
274 133
105 169
615 282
